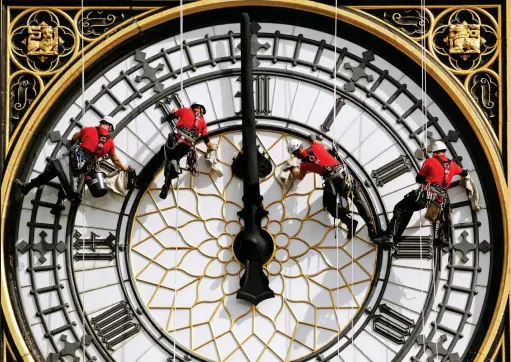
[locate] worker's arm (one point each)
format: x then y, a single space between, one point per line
420 179
77 137
209 143
298 173
457 170
117 162
423 172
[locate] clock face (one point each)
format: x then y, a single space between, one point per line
145 279
186 273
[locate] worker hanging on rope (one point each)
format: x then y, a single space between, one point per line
181 142
338 182
435 177
91 143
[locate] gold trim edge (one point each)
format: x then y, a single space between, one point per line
474 118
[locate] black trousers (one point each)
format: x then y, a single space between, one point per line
53 169
173 154
403 212
329 202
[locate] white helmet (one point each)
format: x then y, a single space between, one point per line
108 120
293 145
438 146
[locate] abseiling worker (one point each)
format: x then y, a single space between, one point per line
435 177
337 179
94 143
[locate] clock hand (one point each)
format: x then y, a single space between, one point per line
252 246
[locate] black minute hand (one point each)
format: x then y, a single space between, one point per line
252 246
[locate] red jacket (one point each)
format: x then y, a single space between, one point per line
90 141
439 170
188 119
320 161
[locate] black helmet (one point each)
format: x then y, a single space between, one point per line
109 121
198 104
97 184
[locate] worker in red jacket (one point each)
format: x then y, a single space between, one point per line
435 177
189 128
94 143
318 160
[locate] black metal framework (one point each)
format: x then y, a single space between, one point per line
369 92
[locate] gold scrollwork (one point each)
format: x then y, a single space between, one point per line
413 22
466 40
24 88
92 23
44 42
484 87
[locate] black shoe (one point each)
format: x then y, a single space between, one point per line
23 186
164 191
386 241
352 228
58 206
372 233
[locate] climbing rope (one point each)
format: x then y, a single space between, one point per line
424 146
337 196
83 192
336 219
177 184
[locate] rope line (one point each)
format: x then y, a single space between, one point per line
424 145
83 194
177 182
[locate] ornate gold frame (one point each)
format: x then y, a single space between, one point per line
355 17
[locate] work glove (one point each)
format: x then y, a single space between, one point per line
289 164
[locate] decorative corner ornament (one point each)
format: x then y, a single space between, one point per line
93 23
465 39
43 40
413 22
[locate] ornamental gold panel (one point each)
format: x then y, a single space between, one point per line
466 40
43 42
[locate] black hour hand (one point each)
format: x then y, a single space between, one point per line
252 246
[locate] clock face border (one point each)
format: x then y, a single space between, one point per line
496 218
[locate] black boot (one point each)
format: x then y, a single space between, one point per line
164 192
386 241
371 230
352 228
58 206
24 187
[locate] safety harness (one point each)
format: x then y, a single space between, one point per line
436 195
84 161
102 139
180 135
339 172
